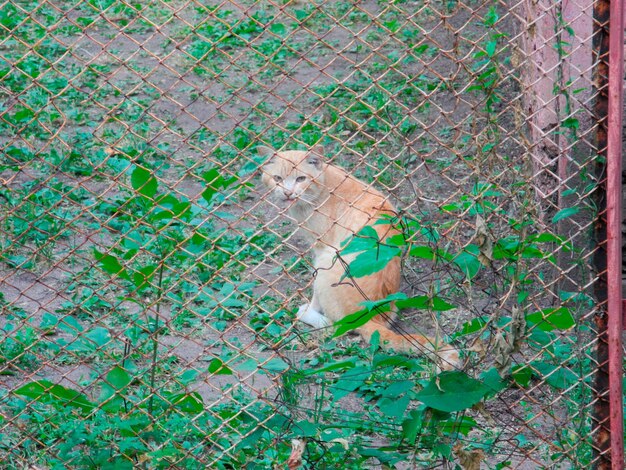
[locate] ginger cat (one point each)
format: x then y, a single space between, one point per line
329 206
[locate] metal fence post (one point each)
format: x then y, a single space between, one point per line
614 231
608 419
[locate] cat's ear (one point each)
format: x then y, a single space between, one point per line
264 151
318 149
316 156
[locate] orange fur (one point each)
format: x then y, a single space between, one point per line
329 205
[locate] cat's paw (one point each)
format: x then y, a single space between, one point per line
312 317
302 310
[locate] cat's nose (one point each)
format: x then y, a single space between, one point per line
287 192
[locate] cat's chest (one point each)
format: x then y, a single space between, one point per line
327 225
328 230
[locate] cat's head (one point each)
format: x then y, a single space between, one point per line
294 175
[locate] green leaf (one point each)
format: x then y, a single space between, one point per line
49 322
427 252
412 425
372 261
306 428
546 238
379 304
397 388
492 380
552 319
541 340
334 366
388 459
576 297
118 378
396 240
353 321
142 277
111 265
491 18
507 248
443 450
169 206
97 336
217 367
556 376
459 425
431 234
361 317
143 182
70 325
189 376
450 208
134 240
393 407
473 325
565 213
425 302
350 380
531 251
522 374
215 182
188 402
373 255
23 115
452 391
424 252
111 400
45 391
383 360
571 123
275 365
278 28
467 260
374 342
365 239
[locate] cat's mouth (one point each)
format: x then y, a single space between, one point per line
284 201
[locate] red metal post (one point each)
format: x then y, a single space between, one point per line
607 419
614 230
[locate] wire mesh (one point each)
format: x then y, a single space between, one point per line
151 283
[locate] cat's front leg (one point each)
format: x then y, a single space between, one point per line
310 314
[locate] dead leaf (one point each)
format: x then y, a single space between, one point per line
344 442
469 459
483 241
502 352
518 326
480 407
438 384
478 346
295 458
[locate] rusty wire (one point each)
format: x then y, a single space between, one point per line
477 121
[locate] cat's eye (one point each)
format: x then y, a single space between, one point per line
277 178
300 179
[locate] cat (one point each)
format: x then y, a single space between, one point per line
329 206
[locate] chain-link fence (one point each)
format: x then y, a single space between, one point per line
414 288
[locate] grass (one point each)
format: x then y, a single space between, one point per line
130 225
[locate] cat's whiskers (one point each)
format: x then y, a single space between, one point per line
302 198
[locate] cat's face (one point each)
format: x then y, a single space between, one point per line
294 176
